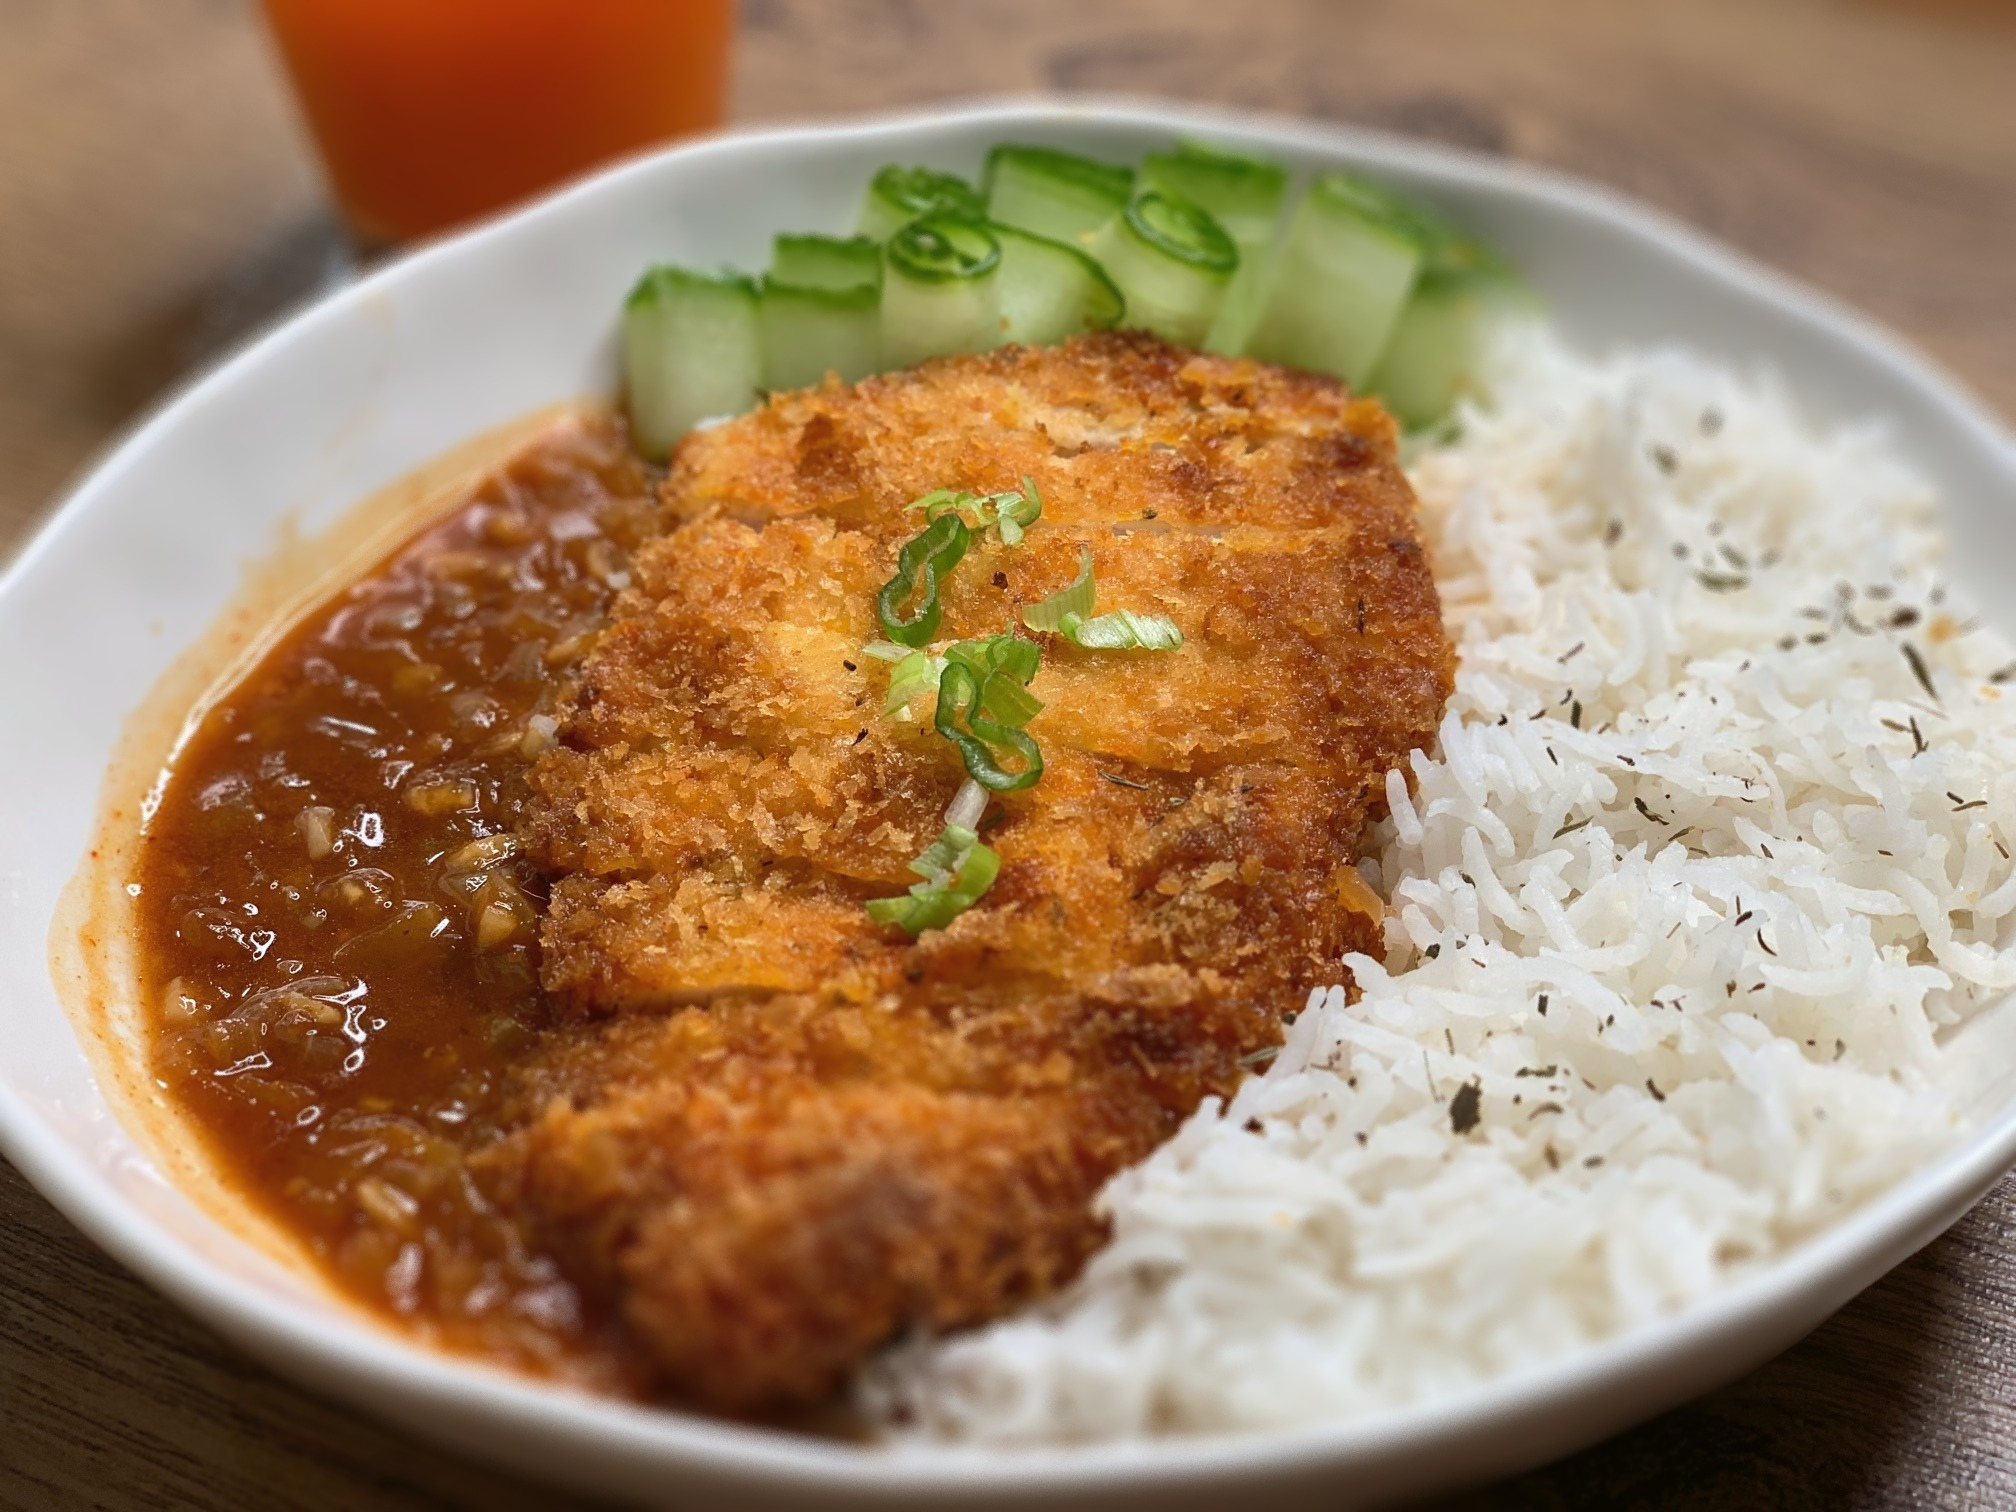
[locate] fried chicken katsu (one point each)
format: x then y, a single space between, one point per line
774 1134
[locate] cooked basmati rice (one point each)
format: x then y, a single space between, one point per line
1716 843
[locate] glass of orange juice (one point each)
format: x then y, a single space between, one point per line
431 112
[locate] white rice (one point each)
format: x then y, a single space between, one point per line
1693 956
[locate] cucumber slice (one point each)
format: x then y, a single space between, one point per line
1172 262
1056 194
1433 354
941 290
691 350
826 262
1244 195
1050 292
810 332
898 195
1340 280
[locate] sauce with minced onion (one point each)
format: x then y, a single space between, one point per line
337 939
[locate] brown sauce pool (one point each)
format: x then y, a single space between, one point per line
337 942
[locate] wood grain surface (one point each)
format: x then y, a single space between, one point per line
157 201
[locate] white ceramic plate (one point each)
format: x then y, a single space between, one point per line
383 376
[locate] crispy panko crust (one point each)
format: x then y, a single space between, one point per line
775 1135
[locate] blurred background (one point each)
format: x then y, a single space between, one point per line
161 195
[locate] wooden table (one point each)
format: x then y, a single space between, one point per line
156 199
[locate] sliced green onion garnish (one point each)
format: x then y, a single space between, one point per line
964 695
1008 703
1010 655
916 673
968 806
1016 510
1010 513
1068 612
1122 630
1004 698
927 556
898 195
1048 613
956 869
939 501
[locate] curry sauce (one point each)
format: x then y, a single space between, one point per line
338 939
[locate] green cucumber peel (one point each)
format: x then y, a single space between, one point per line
1340 279
692 350
808 332
1172 262
1050 290
941 290
1055 194
1246 195
898 195
1177 228
808 261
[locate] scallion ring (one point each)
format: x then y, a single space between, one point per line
1068 612
1076 598
964 695
923 561
956 869
1122 630
1010 512
1008 654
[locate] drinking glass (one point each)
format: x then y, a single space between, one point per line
429 113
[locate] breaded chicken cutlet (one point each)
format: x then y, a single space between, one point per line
775 1134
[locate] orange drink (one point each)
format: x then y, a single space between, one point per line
431 112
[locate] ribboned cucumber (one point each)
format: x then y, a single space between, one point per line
810 332
692 349
940 290
1050 291
1245 196
1432 357
1172 263
1056 194
808 261
1342 276
898 195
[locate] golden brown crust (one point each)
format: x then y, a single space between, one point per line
763 1207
